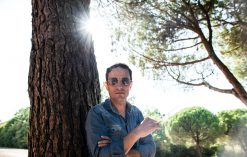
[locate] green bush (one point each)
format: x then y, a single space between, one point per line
14 133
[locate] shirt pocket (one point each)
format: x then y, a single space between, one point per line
115 131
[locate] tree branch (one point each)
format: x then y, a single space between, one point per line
203 83
183 48
186 39
160 63
210 31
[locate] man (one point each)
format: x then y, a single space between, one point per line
115 128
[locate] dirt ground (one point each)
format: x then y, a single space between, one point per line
4 152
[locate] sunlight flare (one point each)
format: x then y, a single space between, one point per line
96 27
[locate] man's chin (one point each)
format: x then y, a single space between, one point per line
120 97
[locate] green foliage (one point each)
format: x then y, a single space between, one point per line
233 35
236 123
14 133
194 126
168 149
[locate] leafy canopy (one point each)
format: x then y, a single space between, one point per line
194 126
187 40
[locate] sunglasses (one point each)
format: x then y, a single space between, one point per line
113 81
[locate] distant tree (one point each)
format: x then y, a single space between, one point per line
236 124
14 132
183 39
194 126
63 78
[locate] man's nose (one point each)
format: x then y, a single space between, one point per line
119 85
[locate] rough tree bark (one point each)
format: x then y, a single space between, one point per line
63 79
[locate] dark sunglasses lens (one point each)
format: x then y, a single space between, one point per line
125 81
113 81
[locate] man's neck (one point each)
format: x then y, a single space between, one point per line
120 106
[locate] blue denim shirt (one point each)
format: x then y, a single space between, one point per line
104 120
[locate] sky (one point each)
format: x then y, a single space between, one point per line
15 48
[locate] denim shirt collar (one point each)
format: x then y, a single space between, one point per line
109 106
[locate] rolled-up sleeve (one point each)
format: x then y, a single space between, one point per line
147 147
95 128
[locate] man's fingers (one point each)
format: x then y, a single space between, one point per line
148 126
104 140
103 143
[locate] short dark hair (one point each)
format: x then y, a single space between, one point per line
121 65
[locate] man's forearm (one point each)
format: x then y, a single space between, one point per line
146 127
133 153
130 140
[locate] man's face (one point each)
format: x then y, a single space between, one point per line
118 84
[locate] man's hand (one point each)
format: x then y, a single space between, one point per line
147 127
104 140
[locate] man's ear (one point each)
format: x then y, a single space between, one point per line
130 85
106 86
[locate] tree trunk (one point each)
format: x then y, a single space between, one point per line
198 150
198 147
237 90
63 79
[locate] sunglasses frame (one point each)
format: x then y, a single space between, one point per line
114 81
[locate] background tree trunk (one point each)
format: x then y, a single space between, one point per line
63 79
